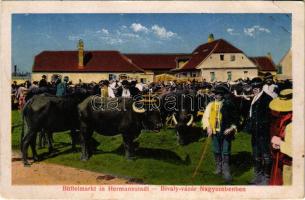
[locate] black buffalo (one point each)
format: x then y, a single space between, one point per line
183 106
114 116
51 114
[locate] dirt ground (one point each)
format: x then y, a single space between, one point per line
42 173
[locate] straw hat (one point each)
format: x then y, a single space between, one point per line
283 103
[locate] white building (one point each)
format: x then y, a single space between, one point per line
218 60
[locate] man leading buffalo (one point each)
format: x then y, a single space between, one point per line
221 119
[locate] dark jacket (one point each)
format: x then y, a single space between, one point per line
43 83
134 91
230 115
259 123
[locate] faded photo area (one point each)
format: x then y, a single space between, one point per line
151 99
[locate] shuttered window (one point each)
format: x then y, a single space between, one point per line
212 74
229 74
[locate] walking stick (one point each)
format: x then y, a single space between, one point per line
205 147
276 167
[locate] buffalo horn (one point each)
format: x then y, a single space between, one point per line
174 119
191 121
137 110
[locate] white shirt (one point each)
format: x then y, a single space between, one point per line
20 92
139 86
270 90
110 92
125 93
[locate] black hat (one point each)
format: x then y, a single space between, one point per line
105 82
221 89
256 82
66 78
268 76
125 82
133 82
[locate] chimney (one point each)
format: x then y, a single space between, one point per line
80 54
269 55
211 38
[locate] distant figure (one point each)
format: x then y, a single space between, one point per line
115 85
20 95
61 87
34 87
124 90
106 90
133 89
43 82
139 86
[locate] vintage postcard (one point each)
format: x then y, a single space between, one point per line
156 100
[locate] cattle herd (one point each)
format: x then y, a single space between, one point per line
84 110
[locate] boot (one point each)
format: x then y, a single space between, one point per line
218 162
267 171
226 169
258 172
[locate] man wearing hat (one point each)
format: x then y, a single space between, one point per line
106 90
282 139
61 87
221 119
258 126
43 82
124 91
269 87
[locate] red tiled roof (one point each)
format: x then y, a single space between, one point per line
263 63
204 50
157 61
94 61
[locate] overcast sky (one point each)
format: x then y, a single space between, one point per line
255 34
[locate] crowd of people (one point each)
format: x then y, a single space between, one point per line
268 119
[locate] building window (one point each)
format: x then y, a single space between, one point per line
212 74
232 58
222 57
229 78
210 57
112 77
280 69
242 57
194 74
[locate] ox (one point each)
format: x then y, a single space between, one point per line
51 114
183 106
112 116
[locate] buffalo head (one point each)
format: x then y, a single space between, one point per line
150 115
186 132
